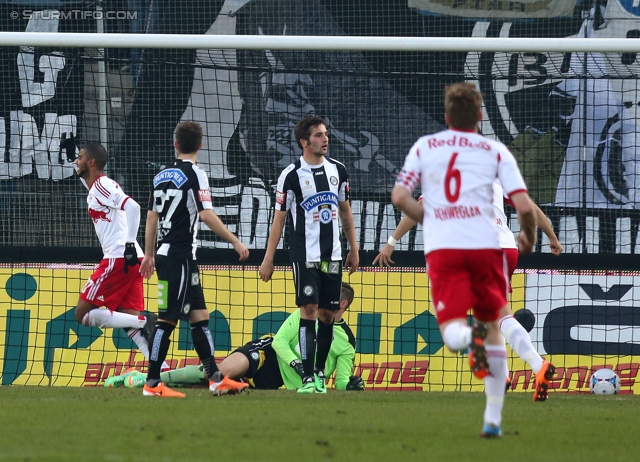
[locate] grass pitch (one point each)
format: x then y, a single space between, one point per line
97 424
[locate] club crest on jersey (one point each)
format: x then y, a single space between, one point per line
175 175
333 180
325 216
317 200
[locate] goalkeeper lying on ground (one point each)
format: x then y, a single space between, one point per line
271 362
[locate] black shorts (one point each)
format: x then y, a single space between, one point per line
264 372
318 283
179 289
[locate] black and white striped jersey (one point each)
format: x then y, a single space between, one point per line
311 194
180 193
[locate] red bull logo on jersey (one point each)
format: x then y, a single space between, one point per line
97 215
457 141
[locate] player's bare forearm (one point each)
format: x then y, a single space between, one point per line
348 224
547 229
384 257
527 235
147 266
543 223
348 227
528 224
215 224
405 225
267 268
527 218
402 198
150 231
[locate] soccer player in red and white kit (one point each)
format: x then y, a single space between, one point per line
116 218
456 169
516 335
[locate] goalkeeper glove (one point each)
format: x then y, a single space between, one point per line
355 383
130 256
297 365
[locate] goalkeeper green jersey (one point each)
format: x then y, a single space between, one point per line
340 359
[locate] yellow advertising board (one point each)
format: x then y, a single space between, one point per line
398 342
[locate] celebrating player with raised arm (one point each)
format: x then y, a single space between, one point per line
116 218
456 169
314 191
516 335
179 200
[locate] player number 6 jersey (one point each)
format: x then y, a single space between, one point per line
456 170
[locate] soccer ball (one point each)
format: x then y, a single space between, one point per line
604 382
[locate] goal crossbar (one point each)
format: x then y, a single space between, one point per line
320 43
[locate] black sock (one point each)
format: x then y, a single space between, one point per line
325 336
203 343
307 339
158 351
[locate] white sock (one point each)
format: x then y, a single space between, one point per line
105 318
143 345
520 342
138 339
494 383
457 336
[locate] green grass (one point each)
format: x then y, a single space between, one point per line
68 424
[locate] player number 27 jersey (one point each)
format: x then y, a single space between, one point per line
180 192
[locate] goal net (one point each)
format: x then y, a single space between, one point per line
554 92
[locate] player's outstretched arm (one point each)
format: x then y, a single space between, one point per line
352 262
149 262
384 257
545 226
215 224
266 268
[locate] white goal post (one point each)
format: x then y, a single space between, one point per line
316 43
